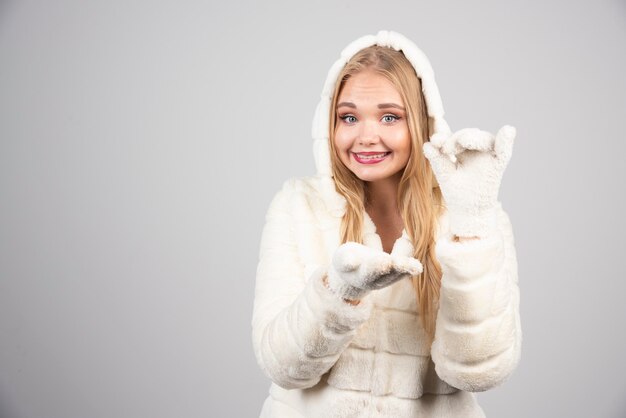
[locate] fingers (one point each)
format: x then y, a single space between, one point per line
440 162
472 139
392 264
407 265
467 139
376 269
401 268
439 138
352 256
453 146
366 268
385 280
504 144
394 269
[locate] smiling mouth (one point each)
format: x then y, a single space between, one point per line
371 155
370 158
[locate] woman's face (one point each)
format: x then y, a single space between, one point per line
372 136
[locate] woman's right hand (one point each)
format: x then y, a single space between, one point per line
356 269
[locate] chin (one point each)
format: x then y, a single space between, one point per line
376 175
370 176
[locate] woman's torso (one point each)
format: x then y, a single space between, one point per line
386 371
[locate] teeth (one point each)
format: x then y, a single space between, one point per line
370 157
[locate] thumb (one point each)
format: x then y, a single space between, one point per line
347 257
408 265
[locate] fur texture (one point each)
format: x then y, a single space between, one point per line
327 358
357 269
469 165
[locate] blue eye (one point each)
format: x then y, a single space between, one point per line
348 118
393 118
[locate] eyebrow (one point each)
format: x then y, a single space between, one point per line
380 106
385 105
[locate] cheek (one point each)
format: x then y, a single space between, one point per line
402 141
342 141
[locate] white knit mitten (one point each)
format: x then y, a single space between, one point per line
469 165
356 269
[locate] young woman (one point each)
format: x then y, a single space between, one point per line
387 283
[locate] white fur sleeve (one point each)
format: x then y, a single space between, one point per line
299 327
478 335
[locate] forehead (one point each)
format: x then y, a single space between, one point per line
369 86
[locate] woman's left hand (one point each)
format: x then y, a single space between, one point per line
469 165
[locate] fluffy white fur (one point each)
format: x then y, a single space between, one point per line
327 358
357 269
469 165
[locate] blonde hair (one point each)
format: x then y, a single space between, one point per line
419 197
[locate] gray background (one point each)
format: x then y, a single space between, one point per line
141 143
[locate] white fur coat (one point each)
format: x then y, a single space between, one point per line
327 358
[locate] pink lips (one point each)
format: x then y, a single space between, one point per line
369 160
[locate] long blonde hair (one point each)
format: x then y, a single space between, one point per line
419 197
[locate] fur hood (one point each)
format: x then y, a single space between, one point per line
321 122
424 71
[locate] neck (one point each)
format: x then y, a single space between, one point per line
382 195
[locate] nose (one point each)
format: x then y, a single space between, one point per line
369 133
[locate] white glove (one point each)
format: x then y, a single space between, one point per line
469 165
356 270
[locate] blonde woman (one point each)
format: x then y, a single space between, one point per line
387 283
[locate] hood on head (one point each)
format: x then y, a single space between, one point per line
424 71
